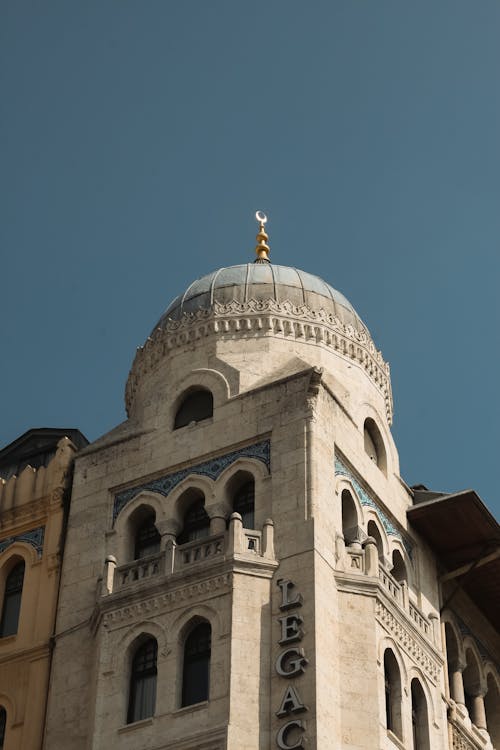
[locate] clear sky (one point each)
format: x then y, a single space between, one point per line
137 139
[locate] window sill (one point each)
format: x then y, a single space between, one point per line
192 707
136 725
396 740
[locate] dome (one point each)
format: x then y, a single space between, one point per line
262 281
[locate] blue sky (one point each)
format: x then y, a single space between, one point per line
137 139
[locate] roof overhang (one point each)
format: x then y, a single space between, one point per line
466 539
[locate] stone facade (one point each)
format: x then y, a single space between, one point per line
324 615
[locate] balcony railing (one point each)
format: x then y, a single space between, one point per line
236 542
397 591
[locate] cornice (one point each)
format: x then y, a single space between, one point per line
263 318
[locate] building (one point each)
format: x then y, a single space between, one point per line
35 485
245 569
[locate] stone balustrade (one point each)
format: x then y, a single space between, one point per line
358 562
236 542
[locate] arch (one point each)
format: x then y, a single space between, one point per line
12 597
492 707
143 679
350 519
195 405
240 491
146 503
195 521
182 496
373 529
146 536
454 660
419 716
393 694
374 444
399 570
197 649
472 676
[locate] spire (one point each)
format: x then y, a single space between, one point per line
262 248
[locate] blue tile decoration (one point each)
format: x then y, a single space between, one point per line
33 537
212 469
365 499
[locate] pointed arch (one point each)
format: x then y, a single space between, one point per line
419 716
143 679
393 690
196 658
492 706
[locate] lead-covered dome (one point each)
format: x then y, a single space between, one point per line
262 281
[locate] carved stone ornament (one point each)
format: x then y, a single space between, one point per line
398 630
33 537
263 317
211 468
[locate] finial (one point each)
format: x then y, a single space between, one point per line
262 248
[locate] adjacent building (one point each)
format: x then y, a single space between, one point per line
35 485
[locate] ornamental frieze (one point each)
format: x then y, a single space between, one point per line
406 641
264 317
156 605
212 469
34 537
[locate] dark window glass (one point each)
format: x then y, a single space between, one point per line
143 682
196 523
195 407
196 671
147 540
244 504
3 723
12 601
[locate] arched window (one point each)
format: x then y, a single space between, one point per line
472 680
419 717
492 709
142 695
373 531
196 523
196 667
3 724
399 571
244 503
350 529
147 539
12 600
453 662
393 694
196 406
374 445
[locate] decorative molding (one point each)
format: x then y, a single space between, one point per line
211 468
406 641
365 499
157 604
264 318
34 537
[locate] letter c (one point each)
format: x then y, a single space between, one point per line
281 737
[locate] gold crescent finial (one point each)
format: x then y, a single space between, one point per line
262 248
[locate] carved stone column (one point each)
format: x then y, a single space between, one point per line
478 713
457 683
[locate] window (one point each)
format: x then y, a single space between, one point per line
244 504
196 668
398 567
142 697
3 724
12 601
147 539
373 531
492 710
196 523
419 718
350 529
393 694
195 407
374 445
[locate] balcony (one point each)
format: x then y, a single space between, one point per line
237 544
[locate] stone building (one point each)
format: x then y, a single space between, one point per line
35 484
245 567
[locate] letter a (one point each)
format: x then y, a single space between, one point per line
291 703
